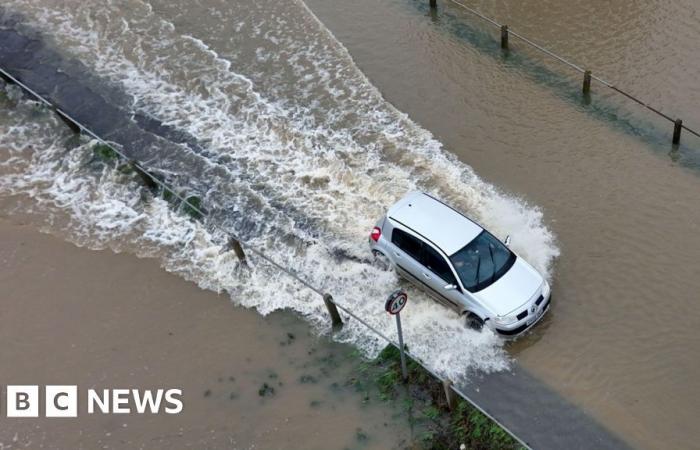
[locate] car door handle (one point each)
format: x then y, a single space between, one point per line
398 255
426 275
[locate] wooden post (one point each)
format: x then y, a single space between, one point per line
450 394
145 176
235 245
677 127
433 4
333 311
7 79
587 82
504 37
75 128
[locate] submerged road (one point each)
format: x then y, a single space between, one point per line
535 413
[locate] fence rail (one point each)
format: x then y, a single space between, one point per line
236 244
587 74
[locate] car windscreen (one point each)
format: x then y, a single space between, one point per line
482 261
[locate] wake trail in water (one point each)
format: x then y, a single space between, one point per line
295 151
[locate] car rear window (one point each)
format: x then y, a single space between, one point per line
407 243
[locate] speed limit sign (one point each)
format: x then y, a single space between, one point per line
396 301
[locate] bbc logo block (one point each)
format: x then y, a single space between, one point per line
22 401
59 401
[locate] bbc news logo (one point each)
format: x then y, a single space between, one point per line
62 401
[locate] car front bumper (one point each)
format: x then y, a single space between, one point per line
528 322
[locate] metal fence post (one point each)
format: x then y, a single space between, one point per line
677 127
504 37
332 310
404 370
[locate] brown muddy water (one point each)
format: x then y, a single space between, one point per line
103 320
300 147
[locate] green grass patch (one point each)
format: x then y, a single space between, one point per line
168 195
38 109
191 205
74 141
104 153
308 379
431 412
361 436
266 390
126 169
422 401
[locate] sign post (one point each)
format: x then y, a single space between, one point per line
394 304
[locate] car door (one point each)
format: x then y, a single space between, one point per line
406 253
437 274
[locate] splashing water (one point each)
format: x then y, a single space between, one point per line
302 155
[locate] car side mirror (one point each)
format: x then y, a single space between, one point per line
450 287
507 241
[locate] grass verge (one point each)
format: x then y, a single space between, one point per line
423 399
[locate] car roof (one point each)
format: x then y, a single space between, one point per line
434 220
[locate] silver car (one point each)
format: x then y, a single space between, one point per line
460 264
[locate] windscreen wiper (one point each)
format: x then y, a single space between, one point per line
478 266
493 264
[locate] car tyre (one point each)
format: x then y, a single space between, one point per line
474 322
381 261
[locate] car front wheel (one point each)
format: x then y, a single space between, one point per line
474 322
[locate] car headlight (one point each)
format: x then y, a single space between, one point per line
546 289
505 320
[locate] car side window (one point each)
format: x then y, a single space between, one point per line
407 243
437 264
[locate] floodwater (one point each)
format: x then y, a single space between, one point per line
100 320
302 153
621 340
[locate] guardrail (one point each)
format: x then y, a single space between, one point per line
506 32
237 245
